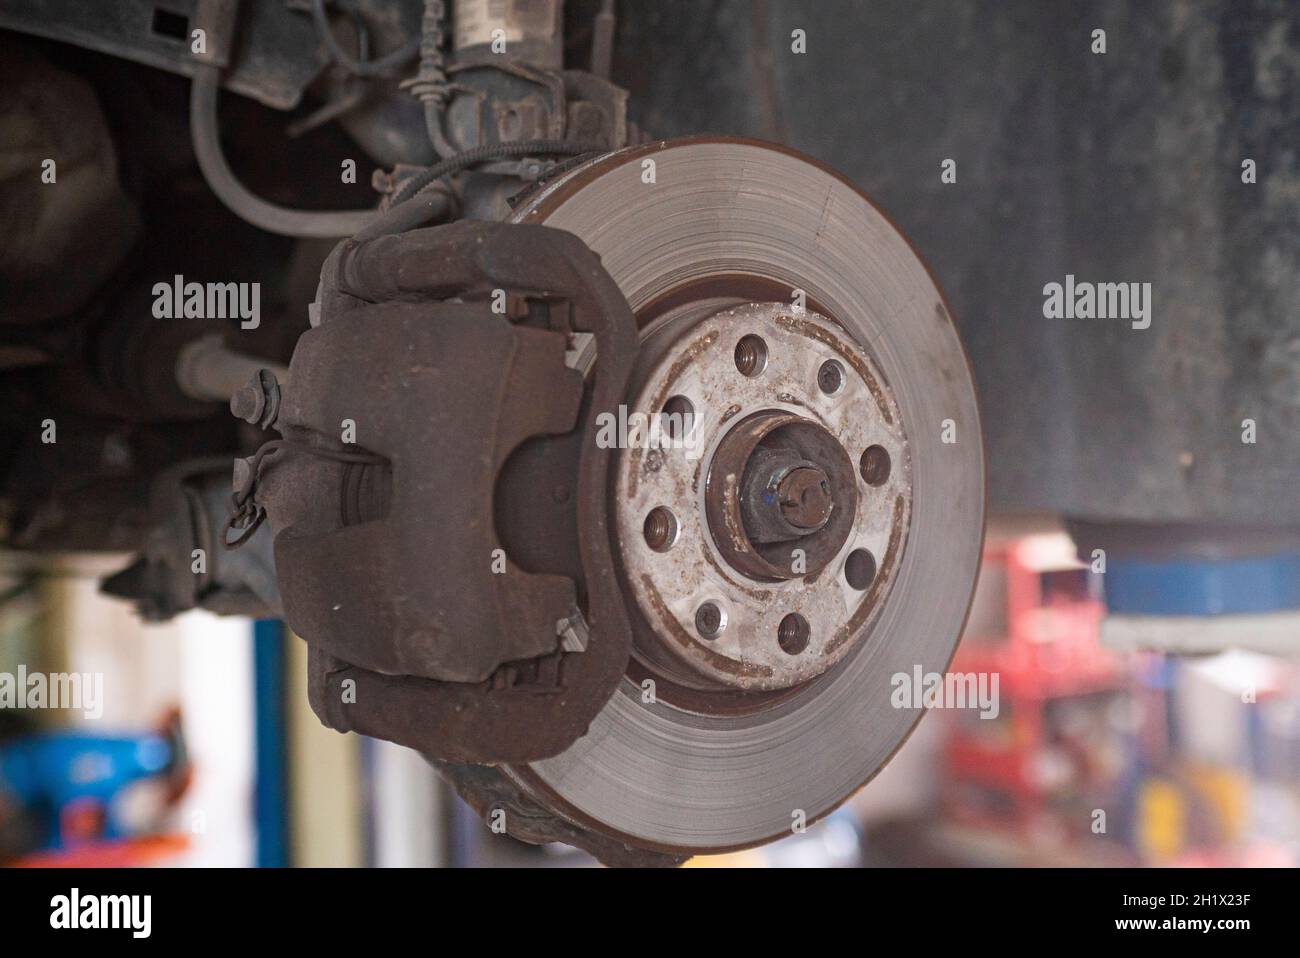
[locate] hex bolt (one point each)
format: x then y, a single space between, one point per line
258 400
249 402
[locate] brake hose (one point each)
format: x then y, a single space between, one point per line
205 135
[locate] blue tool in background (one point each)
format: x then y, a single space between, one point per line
61 787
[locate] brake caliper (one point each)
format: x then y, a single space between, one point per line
438 497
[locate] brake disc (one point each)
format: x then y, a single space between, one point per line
806 520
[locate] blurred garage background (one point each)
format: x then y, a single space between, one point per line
1097 756
1106 750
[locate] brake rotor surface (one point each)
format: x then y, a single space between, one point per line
725 237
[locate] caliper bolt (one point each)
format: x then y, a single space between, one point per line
258 400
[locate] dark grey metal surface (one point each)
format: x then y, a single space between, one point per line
188 506
399 595
275 53
1121 167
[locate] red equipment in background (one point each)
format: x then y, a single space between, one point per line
1055 748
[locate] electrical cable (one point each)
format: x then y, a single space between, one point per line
486 154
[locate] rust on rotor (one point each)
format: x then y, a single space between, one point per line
722 275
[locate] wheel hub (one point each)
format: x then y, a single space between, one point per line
753 588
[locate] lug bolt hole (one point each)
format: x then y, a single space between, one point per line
677 418
874 465
793 634
830 377
751 355
660 529
860 569
710 620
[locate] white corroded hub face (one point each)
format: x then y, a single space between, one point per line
726 624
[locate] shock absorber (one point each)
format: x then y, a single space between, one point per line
530 30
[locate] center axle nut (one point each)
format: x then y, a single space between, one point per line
780 496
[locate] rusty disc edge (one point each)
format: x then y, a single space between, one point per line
537 209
